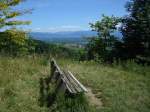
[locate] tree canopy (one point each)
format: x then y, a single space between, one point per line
7 13
102 45
12 41
136 28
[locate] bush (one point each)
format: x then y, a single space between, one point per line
13 42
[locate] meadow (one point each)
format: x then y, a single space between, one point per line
119 88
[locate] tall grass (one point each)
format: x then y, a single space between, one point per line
121 88
19 84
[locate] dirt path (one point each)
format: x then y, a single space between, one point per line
94 98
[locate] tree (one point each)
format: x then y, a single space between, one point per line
13 42
94 48
136 28
7 12
105 29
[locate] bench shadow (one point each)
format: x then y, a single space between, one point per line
46 95
49 95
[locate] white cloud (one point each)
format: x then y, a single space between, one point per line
37 28
60 28
71 27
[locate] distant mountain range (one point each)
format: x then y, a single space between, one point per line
66 37
69 34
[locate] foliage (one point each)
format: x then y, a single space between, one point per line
95 47
55 50
7 12
13 42
16 43
136 28
136 34
103 45
105 26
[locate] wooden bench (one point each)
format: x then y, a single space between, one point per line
65 81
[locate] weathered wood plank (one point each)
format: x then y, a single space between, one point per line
56 66
84 89
69 84
73 83
66 79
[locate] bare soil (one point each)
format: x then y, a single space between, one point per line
94 98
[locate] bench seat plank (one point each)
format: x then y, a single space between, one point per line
67 78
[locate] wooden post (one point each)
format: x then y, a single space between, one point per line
53 68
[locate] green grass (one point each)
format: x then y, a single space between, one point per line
19 84
123 88
120 88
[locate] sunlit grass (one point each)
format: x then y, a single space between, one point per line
120 88
19 84
123 88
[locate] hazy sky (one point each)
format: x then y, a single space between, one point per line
69 15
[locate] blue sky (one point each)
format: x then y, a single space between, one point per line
68 15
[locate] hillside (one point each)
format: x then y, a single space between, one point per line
76 37
121 89
74 56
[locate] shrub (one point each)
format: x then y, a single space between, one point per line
13 42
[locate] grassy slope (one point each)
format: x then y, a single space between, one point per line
123 89
19 84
